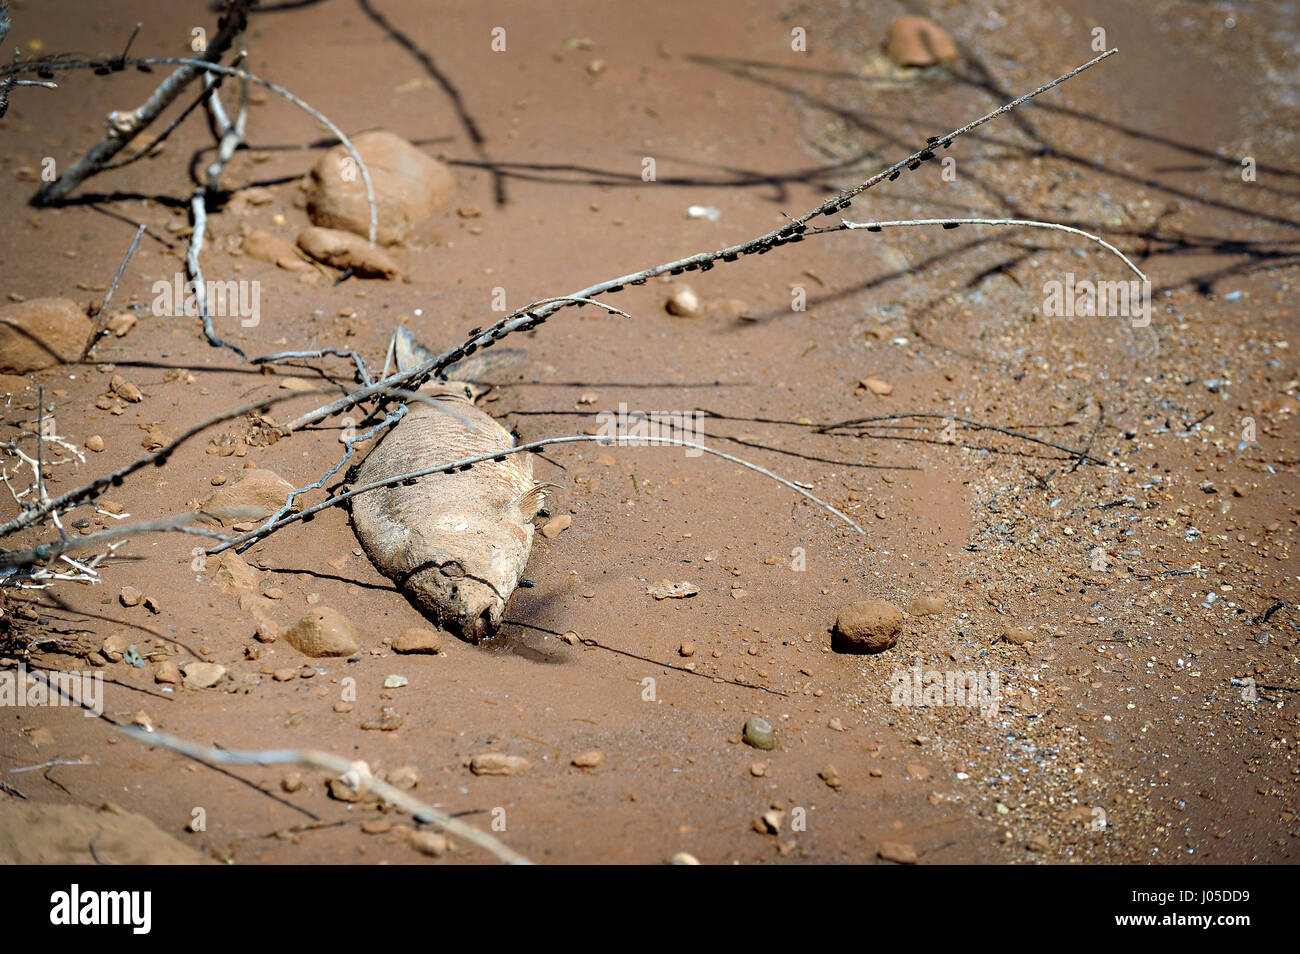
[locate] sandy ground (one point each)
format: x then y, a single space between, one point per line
1119 735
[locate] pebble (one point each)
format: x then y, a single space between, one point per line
167 673
591 759
926 605
868 627
95 443
758 733
684 302
353 784
125 389
899 852
266 247
418 641
291 782
255 494
202 675
668 590
388 721
430 843
323 632
114 647
405 777
1017 635
376 826
918 41
831 776
770 822
497 763
684 858
121 324
554 527
876 386
758 769
344 250
686 649
40 333
396 682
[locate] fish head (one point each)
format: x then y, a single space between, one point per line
477 564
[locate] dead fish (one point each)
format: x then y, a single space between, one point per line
456 544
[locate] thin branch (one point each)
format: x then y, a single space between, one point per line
325 761
101 320
953 223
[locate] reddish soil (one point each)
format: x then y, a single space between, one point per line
1120 710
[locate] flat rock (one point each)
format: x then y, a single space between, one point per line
202 675
497 763
323 632
341 249
409 187
926 605
868 627
41 333
39 833
255 494
899 852
424 641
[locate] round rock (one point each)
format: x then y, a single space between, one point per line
869 627
759 734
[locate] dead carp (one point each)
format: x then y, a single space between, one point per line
456 544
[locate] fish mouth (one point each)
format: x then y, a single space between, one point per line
481 622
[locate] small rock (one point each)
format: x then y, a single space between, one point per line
115 646
868 627
130 596
323 632
1017 635
142 720
554 527
266 631
1040 844
202 675
899 852
590 759
686 649
121 324
684 858
430 843
684 302
396 682
284 675
257 493
758 769
125 389
918 41
917 772
291 782
876 386
668 590
345 250
758 733
424 641
409 186
926 605
496 763
405 777
353 784
376 826
772 820
831 776
95 443
388 721
168 674
40 333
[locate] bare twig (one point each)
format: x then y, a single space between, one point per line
953 223
101 320
325 761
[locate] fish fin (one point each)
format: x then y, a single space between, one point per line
530 501
484 363
407 350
